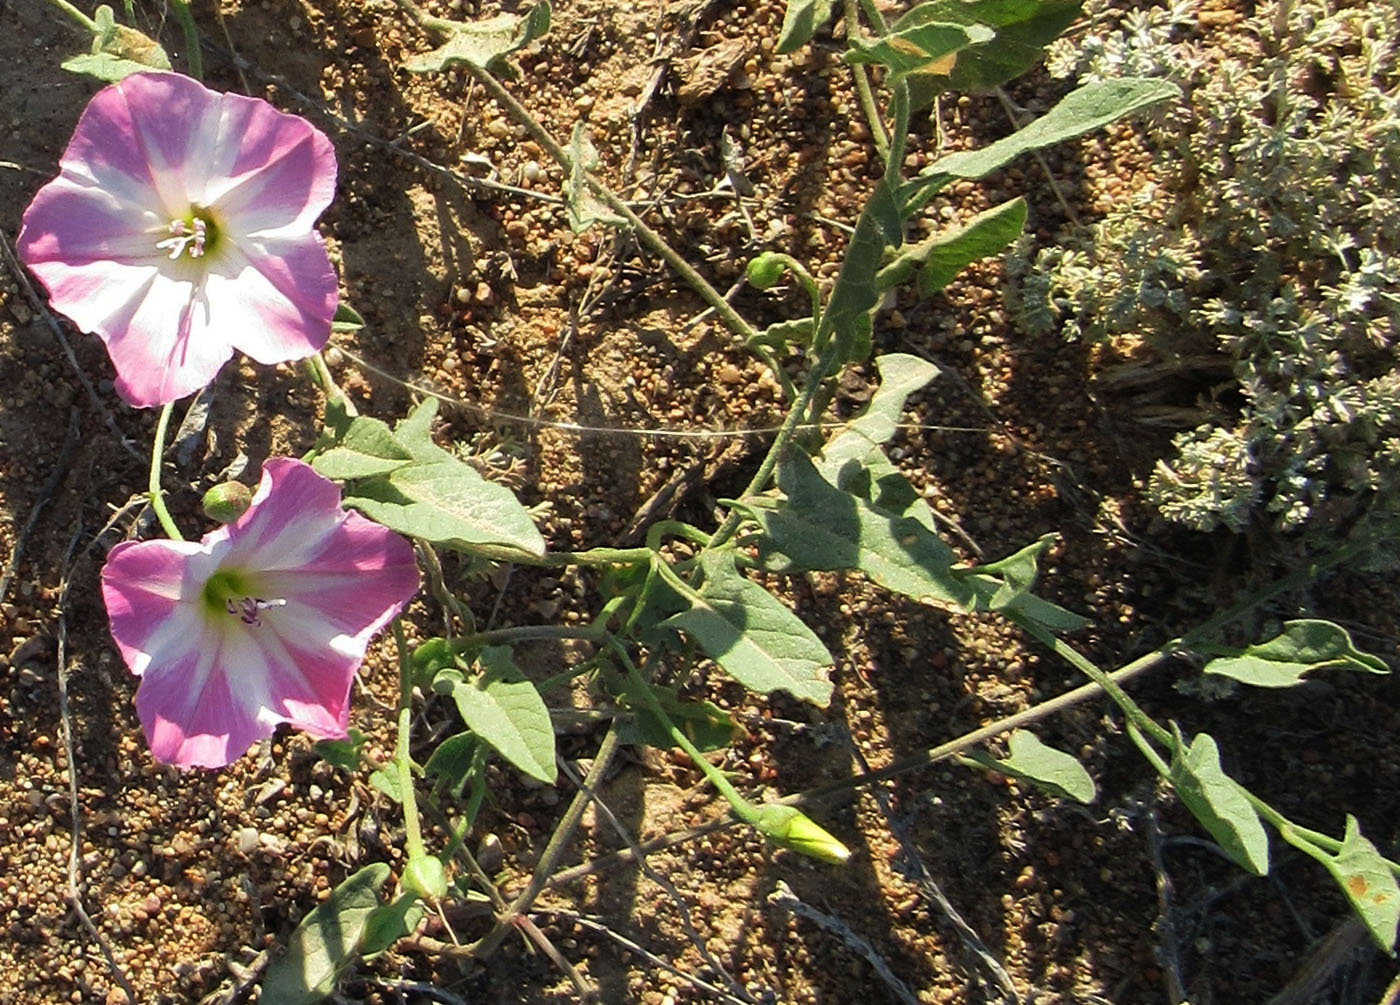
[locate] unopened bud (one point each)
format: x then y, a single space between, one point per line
789 827
227 501
766 271
425 878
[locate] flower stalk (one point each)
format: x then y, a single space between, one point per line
154 492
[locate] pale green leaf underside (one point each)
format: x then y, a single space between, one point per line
482 43
1219 803
1058 773
505 709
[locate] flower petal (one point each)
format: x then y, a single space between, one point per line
274 299
147 585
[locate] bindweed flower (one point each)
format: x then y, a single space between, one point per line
181 226
264 621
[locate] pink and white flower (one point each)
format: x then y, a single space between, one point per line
262 622
181 226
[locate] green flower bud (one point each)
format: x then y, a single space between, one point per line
226 502
766 271
789 827
425 878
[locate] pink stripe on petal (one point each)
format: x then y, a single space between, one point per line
73 222
278 307
282 174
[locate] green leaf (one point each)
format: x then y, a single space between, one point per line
448 503
900 376
505 710
919 47
1053 770
452 763
481 43
1302 646
415 433
941 257
1021 29
753 636
1367 882
344 754
386 780
346 319
584 207
326 941
389 923
801 21
854 294
1218 802
704 723
821 527
368 448
780 334
1090 107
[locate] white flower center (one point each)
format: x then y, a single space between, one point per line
248 609
184 236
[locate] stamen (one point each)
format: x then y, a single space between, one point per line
247 609
179 240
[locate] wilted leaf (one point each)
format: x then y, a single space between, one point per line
482 43
1302 646
584 207
1368 884
926 47
326 941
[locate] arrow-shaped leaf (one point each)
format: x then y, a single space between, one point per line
1219 802
753 636
1302 646
481 43
505 709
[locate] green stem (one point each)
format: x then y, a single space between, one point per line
155 495
558 842
1079 661
77 15
863 90
193 56
527 633
321 376
738 805
413 835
